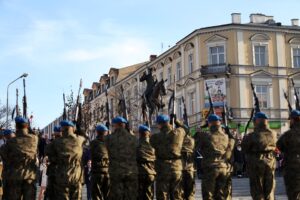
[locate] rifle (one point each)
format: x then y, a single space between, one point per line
296 95
288 101
211 106
256 108
185 116
78 115
65 109
107 106
24 100
172 105
125 113
17 103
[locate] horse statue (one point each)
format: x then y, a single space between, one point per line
153 102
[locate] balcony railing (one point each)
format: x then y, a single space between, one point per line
215 69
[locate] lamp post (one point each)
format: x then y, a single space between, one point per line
22 76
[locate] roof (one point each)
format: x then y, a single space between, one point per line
126 71
86 91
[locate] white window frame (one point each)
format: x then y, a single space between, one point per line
178 71
268 93
192 101
265 44
216 44
180 108
292 55
169 74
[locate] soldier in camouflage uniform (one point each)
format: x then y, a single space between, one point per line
19 156
145 159
188 172
214 147
51 169
259 148
121 146
168 144
289 145
100 162
66 154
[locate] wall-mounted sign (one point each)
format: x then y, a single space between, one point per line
217 89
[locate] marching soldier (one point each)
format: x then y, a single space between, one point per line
145 159
168 144
259 148
289 144
51 169
19 155
100 163
188 173
214 147
121 146
66 154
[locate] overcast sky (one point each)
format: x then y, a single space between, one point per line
60 41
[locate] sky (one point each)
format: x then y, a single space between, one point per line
58 42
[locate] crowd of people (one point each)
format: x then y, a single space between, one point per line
117 165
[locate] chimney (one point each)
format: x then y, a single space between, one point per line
236 18
152 57
259 18
295 22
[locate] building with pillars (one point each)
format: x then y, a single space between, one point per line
227 58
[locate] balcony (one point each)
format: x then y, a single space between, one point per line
217 69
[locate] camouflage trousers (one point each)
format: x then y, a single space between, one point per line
188 185
19 189
146 187
262 178
123 187
292 183
50 192
214 183
169 185
100 184
68 192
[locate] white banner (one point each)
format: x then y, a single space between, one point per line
217 89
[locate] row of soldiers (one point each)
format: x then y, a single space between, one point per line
124 168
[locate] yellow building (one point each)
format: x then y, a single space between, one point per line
228 58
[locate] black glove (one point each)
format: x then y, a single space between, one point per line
173 116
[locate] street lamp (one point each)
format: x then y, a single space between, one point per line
22 76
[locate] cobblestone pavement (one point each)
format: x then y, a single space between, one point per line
241 189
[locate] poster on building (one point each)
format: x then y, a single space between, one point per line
217 89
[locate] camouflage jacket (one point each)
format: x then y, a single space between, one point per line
188 153
214 147
20 155
168 145
145 157
289 144
121 146
99 156
260 143
66 154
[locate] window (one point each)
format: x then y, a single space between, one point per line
260 55
169 75
192 102
296 57
112 81
179 108
217 55
190 63
262 95
112 108
178 71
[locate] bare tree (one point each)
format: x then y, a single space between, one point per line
3 112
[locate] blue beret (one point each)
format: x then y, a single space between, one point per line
162 119
295 113
143 128
101 128
66 123
56 129
117 120
261 115
213 118
21 120
7 132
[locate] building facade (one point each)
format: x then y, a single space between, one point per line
227 58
